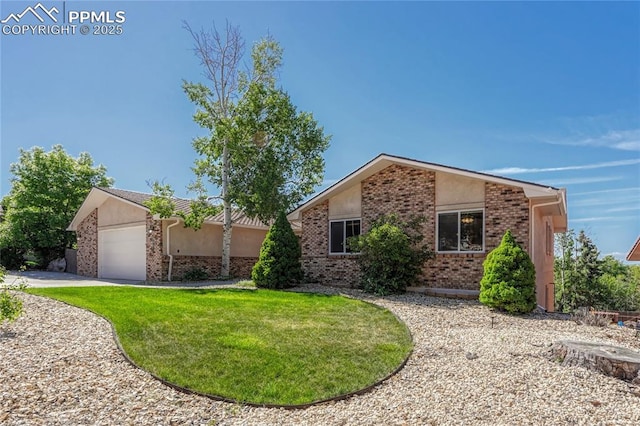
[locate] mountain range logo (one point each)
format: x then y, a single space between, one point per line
43 11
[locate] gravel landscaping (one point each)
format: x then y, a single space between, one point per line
61 366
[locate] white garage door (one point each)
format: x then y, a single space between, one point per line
122 253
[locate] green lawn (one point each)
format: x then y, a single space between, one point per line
258 346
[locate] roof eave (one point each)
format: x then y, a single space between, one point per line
531 190
95 199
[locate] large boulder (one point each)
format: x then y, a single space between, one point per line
57 265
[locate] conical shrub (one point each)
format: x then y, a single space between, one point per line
509 279
279 263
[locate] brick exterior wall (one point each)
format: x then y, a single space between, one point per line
317 264
154 245
402 190
87 235
506 208
240 267
407 191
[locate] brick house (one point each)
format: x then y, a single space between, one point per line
119 238
466 212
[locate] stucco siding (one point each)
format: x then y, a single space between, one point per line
116 212
347 204
207 241
458 192
246 242
543 258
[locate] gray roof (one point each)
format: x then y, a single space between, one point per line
184 205
140 198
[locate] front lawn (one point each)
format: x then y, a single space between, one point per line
257 346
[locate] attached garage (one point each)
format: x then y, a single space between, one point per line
119 238
122 253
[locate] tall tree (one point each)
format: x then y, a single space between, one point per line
565 271
583 279
47 189
262 154
588 270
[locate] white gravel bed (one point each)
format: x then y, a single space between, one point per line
62 367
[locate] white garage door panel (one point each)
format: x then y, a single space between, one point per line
122 253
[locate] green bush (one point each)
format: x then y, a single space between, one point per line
509 279
195 274
391 256
10 304
12 257
279 262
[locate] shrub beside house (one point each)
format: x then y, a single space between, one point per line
466 213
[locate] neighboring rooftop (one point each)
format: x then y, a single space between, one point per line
634 253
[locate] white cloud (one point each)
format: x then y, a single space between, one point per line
610 200
521 170
578 181
625 140
623 209
600 191
602 219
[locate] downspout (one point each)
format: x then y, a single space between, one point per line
169 248
532 230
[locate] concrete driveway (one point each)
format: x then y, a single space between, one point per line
64 279
60 279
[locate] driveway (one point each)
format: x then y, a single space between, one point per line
60 279
65 279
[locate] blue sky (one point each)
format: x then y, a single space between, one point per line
545 92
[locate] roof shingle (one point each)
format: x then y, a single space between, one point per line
184 205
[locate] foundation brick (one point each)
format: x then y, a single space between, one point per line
240 267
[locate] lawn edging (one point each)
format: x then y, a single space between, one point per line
246 403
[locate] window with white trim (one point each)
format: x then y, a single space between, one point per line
461 231
339 232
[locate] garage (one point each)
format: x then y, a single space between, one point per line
122 253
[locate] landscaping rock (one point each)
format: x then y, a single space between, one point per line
62 367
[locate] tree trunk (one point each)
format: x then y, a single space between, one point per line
615 361
226 225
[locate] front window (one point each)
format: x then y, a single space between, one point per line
461 231
340 231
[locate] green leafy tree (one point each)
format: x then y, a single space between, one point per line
391 254
509 279
583 279
47 189
262 154
279 262
565 271
619 289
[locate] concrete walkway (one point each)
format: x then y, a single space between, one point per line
64 279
